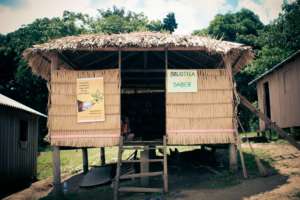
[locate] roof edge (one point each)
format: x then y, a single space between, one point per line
8 102
293 55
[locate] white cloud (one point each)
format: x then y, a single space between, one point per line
267 10
13 18
190 14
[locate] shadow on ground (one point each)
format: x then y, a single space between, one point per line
194 174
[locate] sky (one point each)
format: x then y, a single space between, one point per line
190 14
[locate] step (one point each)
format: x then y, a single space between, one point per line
140 147
139 175
138 161
140 189
158 142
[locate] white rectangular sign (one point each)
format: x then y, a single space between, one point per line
182 80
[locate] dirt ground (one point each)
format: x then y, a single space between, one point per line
191 181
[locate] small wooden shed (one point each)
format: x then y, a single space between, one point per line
18 141
176 86
278 92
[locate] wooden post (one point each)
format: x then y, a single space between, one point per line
85 160
165 175
102 155
56 171
118 170
144 166
233 157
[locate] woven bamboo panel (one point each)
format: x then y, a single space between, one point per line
62 119
200 111
204 117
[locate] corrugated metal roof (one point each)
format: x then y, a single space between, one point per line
4 100
275 67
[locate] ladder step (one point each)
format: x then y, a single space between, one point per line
139 147
138 161
146 174
156 142
140 189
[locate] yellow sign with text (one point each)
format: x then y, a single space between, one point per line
182 80
90 99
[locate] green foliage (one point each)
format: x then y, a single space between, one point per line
155 26
117 20
19 83
23 85
272 43
266 58
169 22
242 26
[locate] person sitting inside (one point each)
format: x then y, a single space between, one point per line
125 130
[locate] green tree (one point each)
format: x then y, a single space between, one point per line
155 25
169 22
23 85
242 26
117 20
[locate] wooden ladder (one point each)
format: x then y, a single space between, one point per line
143 145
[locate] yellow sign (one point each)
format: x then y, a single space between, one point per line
90 100
182 80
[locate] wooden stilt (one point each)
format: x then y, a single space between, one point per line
118 172
165 175
232 157
85 160
56 171
144 166
102 155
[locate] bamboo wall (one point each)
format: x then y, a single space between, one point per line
203 117
62 116
284 90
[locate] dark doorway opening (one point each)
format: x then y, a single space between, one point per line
267 100
143 94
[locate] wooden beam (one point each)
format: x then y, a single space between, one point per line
233 157
56 171
144 166
67 60
186 57
269 122
143 70
118 170
102 155
85 160
100 59
143 49
54 61
145 59
165 176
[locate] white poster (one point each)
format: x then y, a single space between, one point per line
182 80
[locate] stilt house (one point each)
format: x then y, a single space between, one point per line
168 85
179 86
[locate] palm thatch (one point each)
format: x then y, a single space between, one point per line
38 55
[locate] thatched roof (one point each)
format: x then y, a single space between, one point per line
38 55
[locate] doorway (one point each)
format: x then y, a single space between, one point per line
267 103
143 94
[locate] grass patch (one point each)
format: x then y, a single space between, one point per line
71 160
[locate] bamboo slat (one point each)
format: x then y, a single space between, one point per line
203 117
62 116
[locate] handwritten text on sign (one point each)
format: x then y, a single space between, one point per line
182 81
